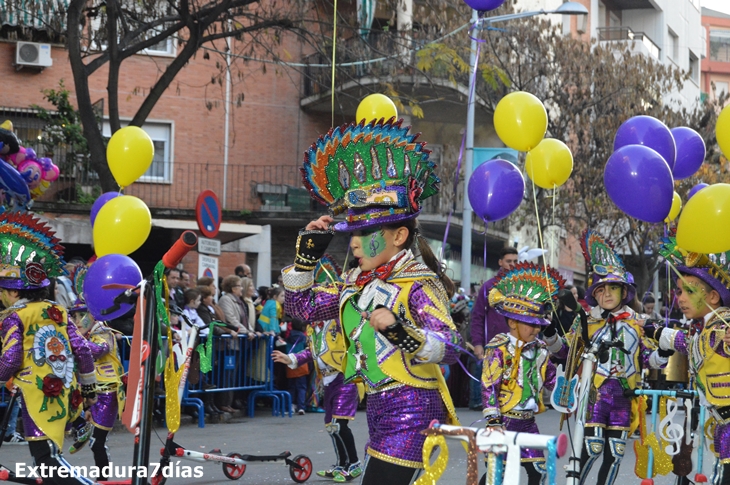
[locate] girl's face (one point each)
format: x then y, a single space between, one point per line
250 291
195 303
524 331
609 296
693 297
280 297
373 247
208 300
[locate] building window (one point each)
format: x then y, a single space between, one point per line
694 68
673 45
161 133
721 87
166 47
720 45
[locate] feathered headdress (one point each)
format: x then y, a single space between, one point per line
606 265
29 252
376 173
77 275
712 269
527 293
327 270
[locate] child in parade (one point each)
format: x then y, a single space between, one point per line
612 416
516 364
394 311
703 295
42 350
102 342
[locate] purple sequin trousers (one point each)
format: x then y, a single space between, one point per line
340 400
611 408
524 426
104 411
722 442
396 418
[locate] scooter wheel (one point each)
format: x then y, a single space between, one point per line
234 472
301 475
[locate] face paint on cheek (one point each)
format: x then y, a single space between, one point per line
376 243
695 295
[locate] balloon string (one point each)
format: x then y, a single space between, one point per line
539 233
334 51
552 239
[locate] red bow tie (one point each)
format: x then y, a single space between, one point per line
381 272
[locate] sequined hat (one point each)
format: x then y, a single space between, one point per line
526 293
376 174
606 266
29 252
712 269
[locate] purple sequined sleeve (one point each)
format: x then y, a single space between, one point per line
432 315
717 344
98 350
307 302
11 340
550 376
303 357
82 353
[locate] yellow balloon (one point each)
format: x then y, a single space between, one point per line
129 154
722 131
704 225
549 164
375 107
520 120
676 207
121 226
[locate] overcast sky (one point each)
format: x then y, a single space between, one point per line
718 5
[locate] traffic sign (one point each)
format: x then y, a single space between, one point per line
208 266
208 213
209 246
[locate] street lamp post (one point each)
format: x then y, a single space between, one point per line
567 8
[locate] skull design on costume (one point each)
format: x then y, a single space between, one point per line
52 348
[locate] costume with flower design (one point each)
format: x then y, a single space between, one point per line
708 354
109 371
326 350
611 416
514 371
42 350
378 174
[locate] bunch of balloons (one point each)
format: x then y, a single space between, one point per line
484 5
648 157
129 153
23 176
704 225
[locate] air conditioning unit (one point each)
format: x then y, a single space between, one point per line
33 54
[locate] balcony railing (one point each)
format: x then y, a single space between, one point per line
610 34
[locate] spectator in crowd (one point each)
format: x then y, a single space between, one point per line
650 308
233 309
172 275
298 377
192 303
273 312
209 282
580 294
243 271
486 322
249 309
184 280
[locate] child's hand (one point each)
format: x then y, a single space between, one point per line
321 224
281 357
381 318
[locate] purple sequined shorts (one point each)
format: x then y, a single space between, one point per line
524 426
104 411
722 441
396 418
340 400
611 409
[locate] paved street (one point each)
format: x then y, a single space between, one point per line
265 434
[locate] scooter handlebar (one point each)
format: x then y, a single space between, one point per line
174 255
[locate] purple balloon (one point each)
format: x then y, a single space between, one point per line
696 189
99 202
690 152
112 268
46 163
650 132
30 154
484 5
496 188
639 181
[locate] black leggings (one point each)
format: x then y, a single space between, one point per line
98 447
345 444
45 452
378 472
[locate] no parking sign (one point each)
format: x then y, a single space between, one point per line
208 213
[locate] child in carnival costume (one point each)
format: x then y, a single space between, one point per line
394 311
42 350
326 349
109 405
704 297
612 416
516 364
